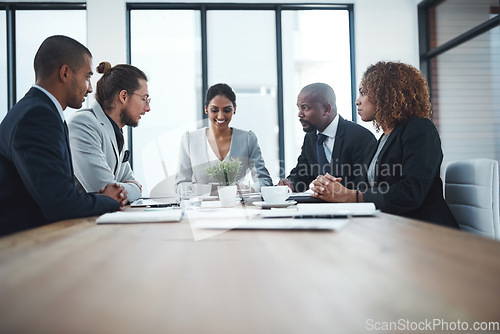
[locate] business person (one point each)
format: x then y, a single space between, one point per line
36 175
203 147
331 144
403 169
96 134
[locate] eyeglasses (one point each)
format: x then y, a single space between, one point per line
146 99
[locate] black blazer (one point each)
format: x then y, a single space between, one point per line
352 141
36 179
408 174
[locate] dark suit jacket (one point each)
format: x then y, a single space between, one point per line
36 180
349 152
408 174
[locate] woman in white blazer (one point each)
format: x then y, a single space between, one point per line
219 142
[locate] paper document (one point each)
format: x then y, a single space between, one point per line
133 217
323 210
220 213
336 209
154 202
274 224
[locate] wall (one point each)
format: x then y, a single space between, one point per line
384 29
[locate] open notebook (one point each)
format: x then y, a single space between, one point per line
273 224
323 210
134 217
154 202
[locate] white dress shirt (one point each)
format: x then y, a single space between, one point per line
330 132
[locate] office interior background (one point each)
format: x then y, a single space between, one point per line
267 52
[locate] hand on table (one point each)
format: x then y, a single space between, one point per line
329 188
116 192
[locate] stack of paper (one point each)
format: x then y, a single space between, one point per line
131 217
323 210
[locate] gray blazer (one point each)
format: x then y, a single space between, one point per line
95 153
194 158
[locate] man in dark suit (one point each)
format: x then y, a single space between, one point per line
36 175
331 145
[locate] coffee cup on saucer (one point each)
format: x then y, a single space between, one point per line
275 194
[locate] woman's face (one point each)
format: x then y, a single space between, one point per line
220 110
366 110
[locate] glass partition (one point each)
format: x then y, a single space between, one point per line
466 98
166 45
3 65
450 18
315 49
71 23
244 57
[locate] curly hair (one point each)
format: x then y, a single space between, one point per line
398 91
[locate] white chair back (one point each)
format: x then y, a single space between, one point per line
471 191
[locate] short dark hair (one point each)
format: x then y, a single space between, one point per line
220 89
114 80
56 51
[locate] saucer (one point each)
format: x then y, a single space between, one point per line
209 198
265 205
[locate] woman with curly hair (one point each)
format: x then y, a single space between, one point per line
403 170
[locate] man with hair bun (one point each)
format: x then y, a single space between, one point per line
36 174
96 134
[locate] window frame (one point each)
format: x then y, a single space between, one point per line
277 8
11 8
427 53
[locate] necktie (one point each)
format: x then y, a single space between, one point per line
66 134
120 141
324 166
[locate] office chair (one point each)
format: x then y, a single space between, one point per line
471 191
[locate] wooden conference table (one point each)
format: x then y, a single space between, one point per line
76 276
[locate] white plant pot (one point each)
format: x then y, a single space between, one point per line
227 195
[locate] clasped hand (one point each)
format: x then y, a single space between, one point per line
116 192
329 188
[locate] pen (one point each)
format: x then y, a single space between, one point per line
341 215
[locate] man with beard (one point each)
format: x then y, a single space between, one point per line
36 175
96 134
331 145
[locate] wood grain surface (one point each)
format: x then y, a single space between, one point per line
79 277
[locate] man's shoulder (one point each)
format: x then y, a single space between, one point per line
34 99
86 116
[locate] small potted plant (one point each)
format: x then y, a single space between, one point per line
225 173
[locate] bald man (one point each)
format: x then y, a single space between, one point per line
331 145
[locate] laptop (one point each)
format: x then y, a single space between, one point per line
305 197
155 202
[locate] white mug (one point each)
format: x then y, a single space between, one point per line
275 194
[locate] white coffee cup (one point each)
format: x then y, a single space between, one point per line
275 194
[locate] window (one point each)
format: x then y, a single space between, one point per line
265 52
166 46
316 48
244 57
460 43
22 41
3 65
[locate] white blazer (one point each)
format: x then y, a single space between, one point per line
194 157
95 153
